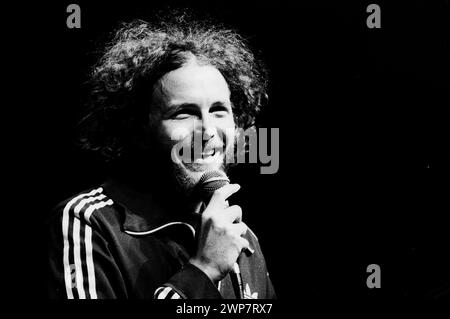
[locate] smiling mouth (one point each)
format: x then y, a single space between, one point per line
207 153
206 157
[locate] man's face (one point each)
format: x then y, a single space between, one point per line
190 104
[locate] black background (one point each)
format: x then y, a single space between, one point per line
363 118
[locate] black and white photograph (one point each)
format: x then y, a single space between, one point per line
292 152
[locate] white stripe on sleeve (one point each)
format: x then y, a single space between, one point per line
77 259
77 243
176 296
89 255
90 262
163 293
65 231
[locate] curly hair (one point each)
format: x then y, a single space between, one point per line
140 54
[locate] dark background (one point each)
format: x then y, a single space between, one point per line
363 118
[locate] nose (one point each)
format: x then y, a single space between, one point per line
209 129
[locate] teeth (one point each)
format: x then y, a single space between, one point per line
208 157
209 153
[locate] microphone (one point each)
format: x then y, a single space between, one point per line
209 182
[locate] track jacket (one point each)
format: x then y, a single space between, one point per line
109 242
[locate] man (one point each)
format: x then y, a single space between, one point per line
145 232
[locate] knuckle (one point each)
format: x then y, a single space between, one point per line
236 236
216 223
221 226
238 232
245 243
229 230
236 209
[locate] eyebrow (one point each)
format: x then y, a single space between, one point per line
182 105
219 103
174 107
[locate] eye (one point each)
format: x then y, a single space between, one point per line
184 112
219 110
181 115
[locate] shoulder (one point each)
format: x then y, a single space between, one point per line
86 206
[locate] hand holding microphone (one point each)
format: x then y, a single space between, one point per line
220 240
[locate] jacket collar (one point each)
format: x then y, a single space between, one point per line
143 214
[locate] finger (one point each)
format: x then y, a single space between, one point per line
233 214
221 195
240 229
244 244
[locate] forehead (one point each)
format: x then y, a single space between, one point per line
193 83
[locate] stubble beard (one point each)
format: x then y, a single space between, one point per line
187 176
186 179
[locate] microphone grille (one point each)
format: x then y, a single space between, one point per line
210 181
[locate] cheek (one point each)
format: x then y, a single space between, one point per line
230 134
229 130
176 132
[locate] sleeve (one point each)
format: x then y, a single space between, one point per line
258 264
80 265
189 283
270 293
